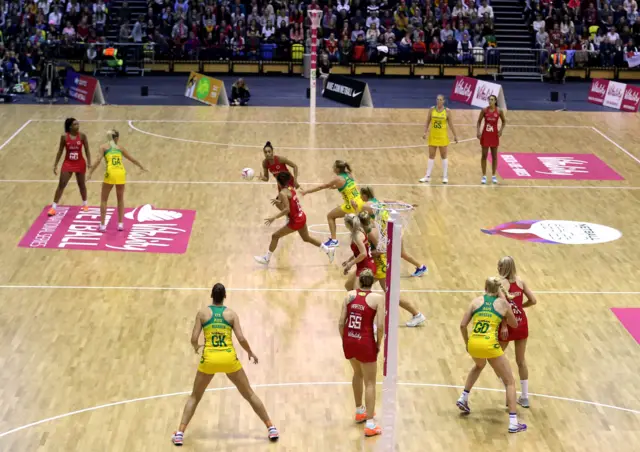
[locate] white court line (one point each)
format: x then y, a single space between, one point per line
297 289
260 146
538 126
248 183
615 144
289 385
15 134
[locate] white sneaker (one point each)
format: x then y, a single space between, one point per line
425 179
331 252
483 181
494 180
416 320
445 180
264 260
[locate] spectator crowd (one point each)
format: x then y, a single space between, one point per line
32 29
422 31
598 33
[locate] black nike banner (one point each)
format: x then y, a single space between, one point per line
347 91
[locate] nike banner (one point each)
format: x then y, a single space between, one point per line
347 91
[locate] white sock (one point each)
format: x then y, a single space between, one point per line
84 203
54 205
121 225
371 423
445 168
465 395
524 384
361 410
268 255
513 419
430 167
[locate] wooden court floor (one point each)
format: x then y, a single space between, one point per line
83 329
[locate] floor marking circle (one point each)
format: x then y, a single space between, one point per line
311 226
289 385
256 146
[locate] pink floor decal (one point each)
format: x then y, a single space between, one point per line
554 166
630 319
146 230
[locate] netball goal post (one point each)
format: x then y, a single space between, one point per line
315 15
390 219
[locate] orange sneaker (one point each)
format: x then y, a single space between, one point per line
376 430
51 212
85 208
361 417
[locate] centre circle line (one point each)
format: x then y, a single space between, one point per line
311 226
310 383
255 146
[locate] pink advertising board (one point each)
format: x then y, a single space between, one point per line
554 166
146 230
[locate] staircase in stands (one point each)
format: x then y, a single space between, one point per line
137 8
514 39
132 54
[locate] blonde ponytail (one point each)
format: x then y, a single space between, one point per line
111 137
353 223
493 286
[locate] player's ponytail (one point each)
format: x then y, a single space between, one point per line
218 293
68 123
366 279
507 268
365 219
368 192
112 135
493 286
342 166
353 224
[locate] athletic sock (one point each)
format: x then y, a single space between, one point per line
361 410
430 167
524 384
84 203
371 423
513 419
445 168
465 395
54 205
121 225
268 255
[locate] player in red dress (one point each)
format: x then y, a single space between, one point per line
296 219
275 164
490 136
518 335
361 251
360 345
73 141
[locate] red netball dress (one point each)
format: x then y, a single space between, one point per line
489 137
522 330
278 167
297 219
358 340
368 261
73 160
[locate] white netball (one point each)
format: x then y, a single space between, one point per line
247 174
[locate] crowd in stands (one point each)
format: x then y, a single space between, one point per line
422 31
598 33
419 31
31 30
